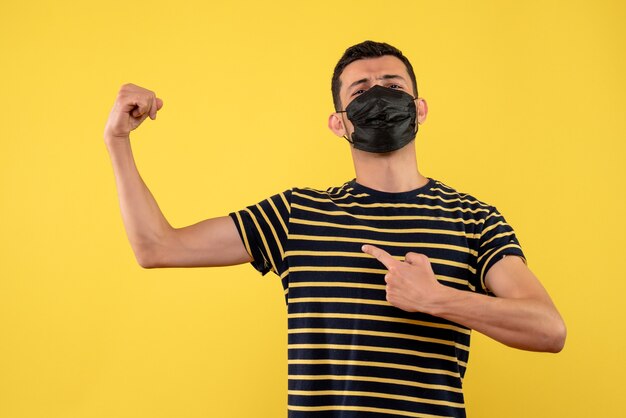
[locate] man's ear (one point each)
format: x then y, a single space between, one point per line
335 124
422 110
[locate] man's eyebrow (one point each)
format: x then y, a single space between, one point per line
391 77
384 77
356 83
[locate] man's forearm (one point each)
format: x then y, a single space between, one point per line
144 222
522 316
527 324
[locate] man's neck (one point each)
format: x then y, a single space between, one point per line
393 172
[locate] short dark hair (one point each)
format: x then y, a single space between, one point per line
366 49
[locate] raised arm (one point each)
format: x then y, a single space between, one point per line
213 242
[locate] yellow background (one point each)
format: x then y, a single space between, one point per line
527 112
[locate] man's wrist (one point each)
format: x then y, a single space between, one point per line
114 140
441 297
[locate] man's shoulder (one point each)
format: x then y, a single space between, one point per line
449 194
328 192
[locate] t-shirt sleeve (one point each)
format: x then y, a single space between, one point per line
497 239
263 229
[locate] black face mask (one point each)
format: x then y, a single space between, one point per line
384 120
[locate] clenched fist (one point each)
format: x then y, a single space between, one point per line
132 106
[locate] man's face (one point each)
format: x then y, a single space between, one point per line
359 76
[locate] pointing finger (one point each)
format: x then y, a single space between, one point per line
381 255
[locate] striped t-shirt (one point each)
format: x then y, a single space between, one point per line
350 352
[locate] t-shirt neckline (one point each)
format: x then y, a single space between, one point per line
390 196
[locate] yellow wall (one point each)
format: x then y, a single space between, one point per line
527 112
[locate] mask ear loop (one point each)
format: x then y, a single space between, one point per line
345 136
417 123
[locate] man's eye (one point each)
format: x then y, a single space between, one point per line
395 86
360 91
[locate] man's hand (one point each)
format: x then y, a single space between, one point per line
132 106
411 284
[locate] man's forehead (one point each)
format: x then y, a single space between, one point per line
377 67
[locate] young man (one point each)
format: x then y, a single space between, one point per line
384 276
